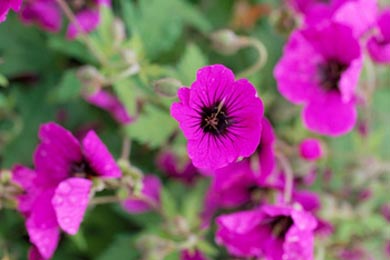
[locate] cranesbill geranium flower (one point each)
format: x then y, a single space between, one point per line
347 12
320 69
6 5
378 45
274 232
110 103
220 117
58 195
150 196
47 14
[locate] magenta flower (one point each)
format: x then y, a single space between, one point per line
274 232
220 117
347 12
6 5
169 163
105 100
47 14
192 255
322 75
58 191
310 149
378 45
151 196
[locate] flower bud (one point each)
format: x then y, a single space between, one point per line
167 87
226 41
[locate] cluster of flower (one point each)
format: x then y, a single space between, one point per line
228 136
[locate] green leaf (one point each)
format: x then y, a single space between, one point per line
207 248
190 62
168 203
121 248
153 127
158 28
128 93
68 88
193 204
3 81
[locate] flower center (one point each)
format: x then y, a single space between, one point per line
81 169
280 225
330 73
214 119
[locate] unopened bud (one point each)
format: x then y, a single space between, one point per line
226 41
90 78
129 56
167 87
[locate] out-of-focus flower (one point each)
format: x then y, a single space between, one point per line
150 193
220 117
274 232
47 14
58 190
6 5
347 12
385 210
322 75
192 255
310 149
378 45
109 102
169 163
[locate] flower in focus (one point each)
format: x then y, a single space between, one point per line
109 102
310 149
274 232
220 117
150 196
58 190
47 14
6 5
322 75
378 45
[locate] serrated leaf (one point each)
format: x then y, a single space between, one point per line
127 92
168 203
153 127
68 88
158 28
191 61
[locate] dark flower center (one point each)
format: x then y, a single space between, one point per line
215 119
82 169
280 225
330 73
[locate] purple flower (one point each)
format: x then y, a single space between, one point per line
220 117
192 255
320 69
274 232
150 196
310 149
169 163
6 5
47 14
378 45
105 100
347 12
58 191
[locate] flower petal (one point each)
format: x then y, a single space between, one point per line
98 157
70 202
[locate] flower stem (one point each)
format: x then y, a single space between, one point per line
288 188
72 18
261 60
